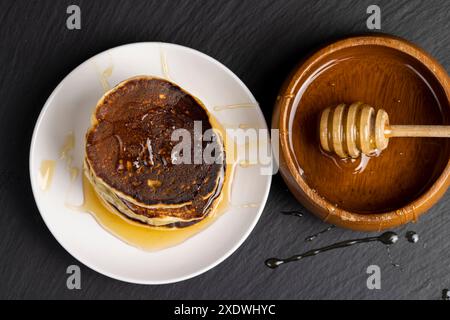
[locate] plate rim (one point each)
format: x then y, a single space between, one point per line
99 270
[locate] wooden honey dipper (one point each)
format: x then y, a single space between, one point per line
350 131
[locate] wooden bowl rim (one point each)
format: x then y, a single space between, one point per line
336 215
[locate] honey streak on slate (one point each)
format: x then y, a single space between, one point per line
315 235
387 238
298 213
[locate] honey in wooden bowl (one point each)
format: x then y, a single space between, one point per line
381 191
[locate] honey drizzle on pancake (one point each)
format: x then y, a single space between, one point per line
150 238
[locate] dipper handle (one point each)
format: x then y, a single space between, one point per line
417 131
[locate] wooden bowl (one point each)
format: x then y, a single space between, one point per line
375 193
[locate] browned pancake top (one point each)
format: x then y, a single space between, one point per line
130 146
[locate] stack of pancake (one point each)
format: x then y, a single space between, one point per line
129 159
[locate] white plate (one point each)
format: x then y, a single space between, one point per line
69 108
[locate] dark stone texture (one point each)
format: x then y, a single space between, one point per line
261 41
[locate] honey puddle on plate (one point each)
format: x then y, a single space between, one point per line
139 235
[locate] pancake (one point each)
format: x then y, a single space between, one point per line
130 160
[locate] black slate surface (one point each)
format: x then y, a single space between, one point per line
261 41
